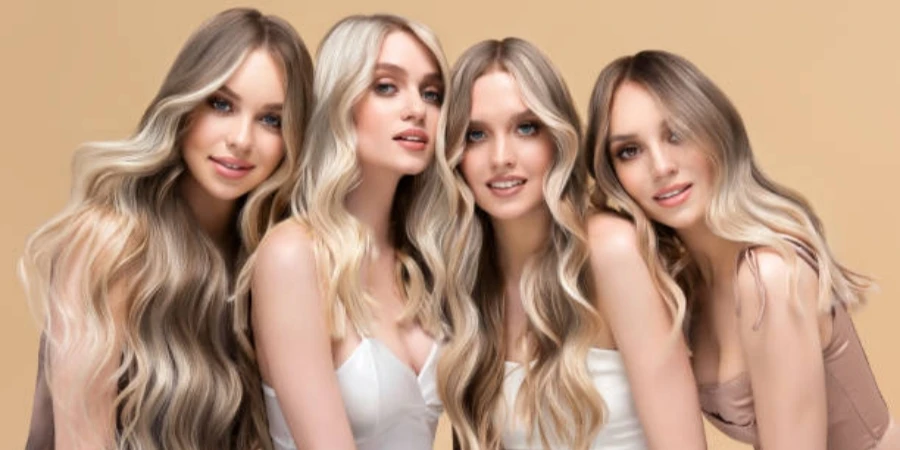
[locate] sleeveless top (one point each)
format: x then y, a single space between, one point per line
387 404
857 414
621 431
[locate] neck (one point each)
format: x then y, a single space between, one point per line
518 241
215 216
371 203
715 256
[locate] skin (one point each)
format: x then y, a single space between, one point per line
241 120
292 336
238 126
783 358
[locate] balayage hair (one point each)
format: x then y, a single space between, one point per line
329 171
127 229
557 397
747 207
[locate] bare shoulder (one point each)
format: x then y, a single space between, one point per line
288 244
611 236
768 270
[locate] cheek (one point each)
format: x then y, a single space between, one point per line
202 133
631 178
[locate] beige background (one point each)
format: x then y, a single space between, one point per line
818 83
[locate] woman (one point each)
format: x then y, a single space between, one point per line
779 363
343 320
532 361
134 275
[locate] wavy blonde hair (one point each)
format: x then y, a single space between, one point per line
127 227
329 171
747 206
557 398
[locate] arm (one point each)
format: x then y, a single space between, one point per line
84 413
659 370
293 342
783 355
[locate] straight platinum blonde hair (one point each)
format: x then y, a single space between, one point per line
557 398
747 207
126 227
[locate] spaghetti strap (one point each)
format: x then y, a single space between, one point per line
802 251
750 256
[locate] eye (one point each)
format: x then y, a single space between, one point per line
384 88
527 129
271 120
475 136
219 104
674 138
433 96
627 152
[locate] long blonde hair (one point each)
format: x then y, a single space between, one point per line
329 171
747 206
126 225
557 397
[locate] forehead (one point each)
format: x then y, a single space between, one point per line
400 48
496 96
634 108
259 78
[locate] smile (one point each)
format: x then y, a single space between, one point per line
506 184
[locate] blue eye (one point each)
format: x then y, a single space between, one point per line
474 136
627 152
433 96
271 120
384 88
527 129
674 138
219 104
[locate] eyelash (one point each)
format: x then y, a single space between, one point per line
223 106
633 149
430 95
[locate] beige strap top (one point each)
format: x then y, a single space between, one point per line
857 414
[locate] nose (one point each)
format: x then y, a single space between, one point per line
415 107
502 153
663 163
240 136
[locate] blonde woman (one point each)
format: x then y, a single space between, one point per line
133 277
342 315
779 363
532 361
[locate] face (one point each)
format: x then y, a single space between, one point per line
396 118
508 151
670 178
234 141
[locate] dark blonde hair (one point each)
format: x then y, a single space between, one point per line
126 224
557 398
747 206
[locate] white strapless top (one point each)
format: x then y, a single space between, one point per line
389 407
621 431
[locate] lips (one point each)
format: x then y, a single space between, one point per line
506 185
673 195
413 139
230 167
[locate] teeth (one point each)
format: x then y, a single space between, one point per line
232 166
671 194
412 138
506 184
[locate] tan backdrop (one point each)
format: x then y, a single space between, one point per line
818 83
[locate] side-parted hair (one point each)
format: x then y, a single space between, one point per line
126 227
329 171
747 206
557 398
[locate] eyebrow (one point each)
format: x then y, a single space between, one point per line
517 117
430 78
230 93
663 124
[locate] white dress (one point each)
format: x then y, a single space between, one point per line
621 431
389 406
